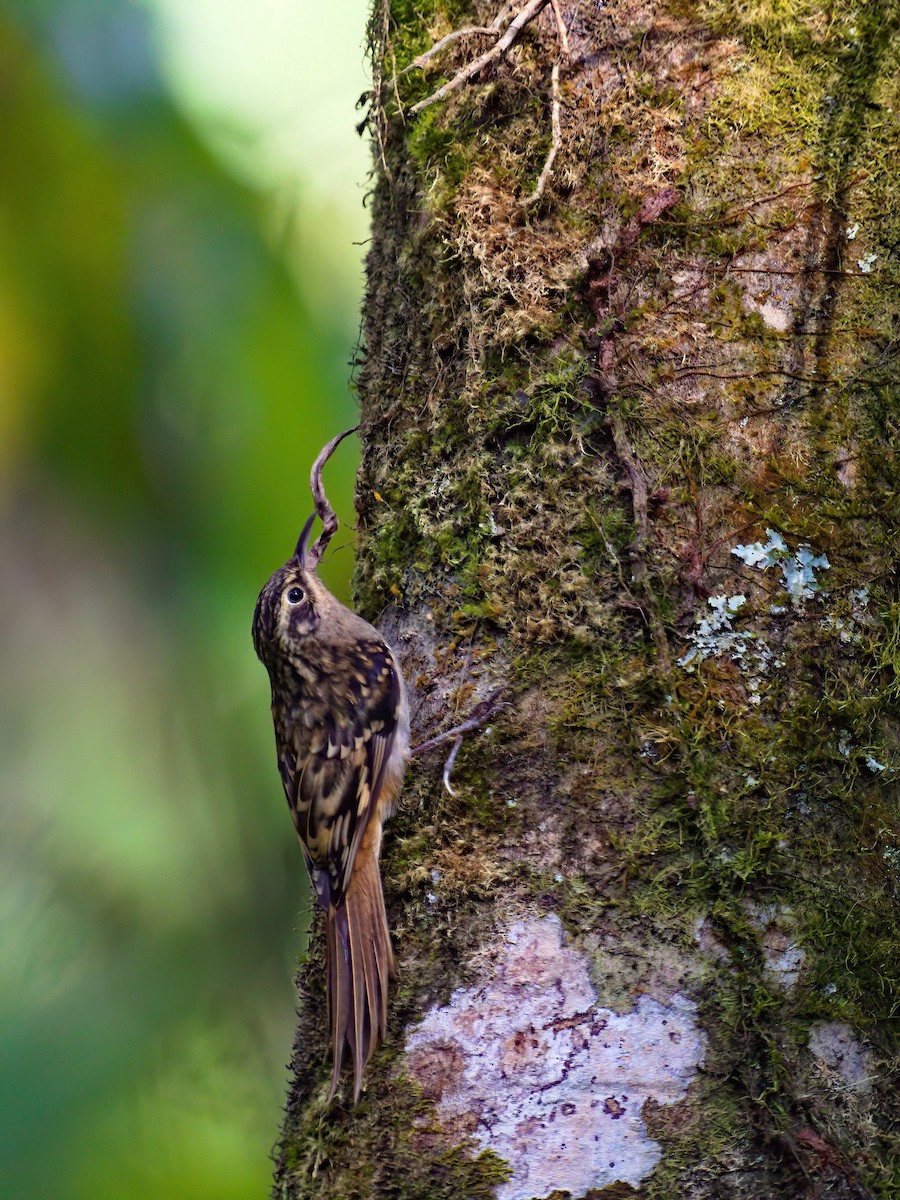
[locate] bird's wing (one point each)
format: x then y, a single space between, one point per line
336 787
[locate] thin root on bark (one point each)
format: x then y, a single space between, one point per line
519 22
479 716
522 19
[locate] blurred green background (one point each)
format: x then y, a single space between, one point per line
181 212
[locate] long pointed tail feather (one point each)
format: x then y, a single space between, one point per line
359 964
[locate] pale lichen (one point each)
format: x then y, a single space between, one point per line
531 1067
714 636
783 957
839 1056
798 567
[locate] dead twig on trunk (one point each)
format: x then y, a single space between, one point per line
515 27
561 29
556 121
479 716
637 485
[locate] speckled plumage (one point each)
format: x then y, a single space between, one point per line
342 738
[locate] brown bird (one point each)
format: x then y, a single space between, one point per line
342 738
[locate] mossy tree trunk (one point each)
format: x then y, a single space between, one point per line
630 451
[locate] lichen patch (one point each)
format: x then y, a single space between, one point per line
531 1067
839 1055
783 956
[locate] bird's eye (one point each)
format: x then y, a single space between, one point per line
295 595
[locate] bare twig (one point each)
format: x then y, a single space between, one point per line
556 121
746 208
378 118
455 36
480 714
470 31
497 24
804 271
692 372
448 765
728 269
637 485
324 511
561 29
531 10
515 27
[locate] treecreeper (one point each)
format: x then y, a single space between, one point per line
342 738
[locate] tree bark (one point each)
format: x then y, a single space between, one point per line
630 451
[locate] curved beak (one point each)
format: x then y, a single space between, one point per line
303 543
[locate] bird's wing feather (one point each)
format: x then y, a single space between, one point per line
335 789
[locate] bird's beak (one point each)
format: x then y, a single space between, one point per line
303 544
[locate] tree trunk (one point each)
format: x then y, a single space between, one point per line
630 450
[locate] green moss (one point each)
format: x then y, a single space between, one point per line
439 149
332 1154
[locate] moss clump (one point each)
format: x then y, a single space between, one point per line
333 1153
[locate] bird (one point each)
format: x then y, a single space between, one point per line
341 718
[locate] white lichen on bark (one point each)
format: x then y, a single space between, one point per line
840 1056
783 956
531 1067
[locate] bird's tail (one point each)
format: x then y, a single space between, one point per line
359 963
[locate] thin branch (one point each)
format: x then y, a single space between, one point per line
728 269
324 511
448 765
528 13
561 29
377 86
497 24
556 121
734 213
480 715
740 212
688 372
427 55
804 271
